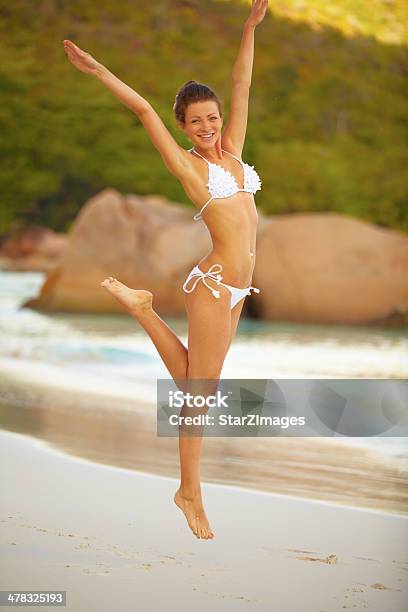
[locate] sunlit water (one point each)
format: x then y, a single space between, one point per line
112 354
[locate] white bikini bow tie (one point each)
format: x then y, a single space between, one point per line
212 273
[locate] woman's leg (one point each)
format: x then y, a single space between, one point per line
208 341
138 303
212 326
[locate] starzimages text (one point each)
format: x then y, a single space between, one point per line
257 420
228 419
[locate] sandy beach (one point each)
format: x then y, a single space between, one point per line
112 538
86 504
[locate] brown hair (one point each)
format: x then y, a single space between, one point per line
193 92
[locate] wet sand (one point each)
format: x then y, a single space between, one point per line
120 432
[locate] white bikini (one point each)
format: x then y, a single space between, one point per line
222 184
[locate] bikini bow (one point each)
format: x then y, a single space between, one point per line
212 273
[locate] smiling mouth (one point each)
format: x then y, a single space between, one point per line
206 136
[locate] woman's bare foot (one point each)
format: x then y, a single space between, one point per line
193 509
135 300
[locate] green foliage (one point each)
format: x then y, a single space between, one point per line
327 125
383 19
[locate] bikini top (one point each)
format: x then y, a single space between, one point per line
222 184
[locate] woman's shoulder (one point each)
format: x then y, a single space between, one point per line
192 172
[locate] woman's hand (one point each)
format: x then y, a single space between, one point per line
258 12
80 59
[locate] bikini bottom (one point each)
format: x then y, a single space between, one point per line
214 274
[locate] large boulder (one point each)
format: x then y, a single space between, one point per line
314 267
330 268
143 241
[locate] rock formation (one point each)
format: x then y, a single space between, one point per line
34 249
314 267
330 268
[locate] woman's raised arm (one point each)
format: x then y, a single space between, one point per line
242 70
173 155
86 63
233 137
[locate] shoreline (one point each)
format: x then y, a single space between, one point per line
122 433
64 382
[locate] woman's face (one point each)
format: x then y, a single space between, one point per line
202 123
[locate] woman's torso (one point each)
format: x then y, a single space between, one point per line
231 221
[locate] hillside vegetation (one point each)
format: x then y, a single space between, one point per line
385 20
328 111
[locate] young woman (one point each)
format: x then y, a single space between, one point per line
213 300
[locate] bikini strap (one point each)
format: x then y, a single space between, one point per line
213 273
234 156
198 215
194 151
199 154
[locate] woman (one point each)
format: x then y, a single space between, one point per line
213 301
